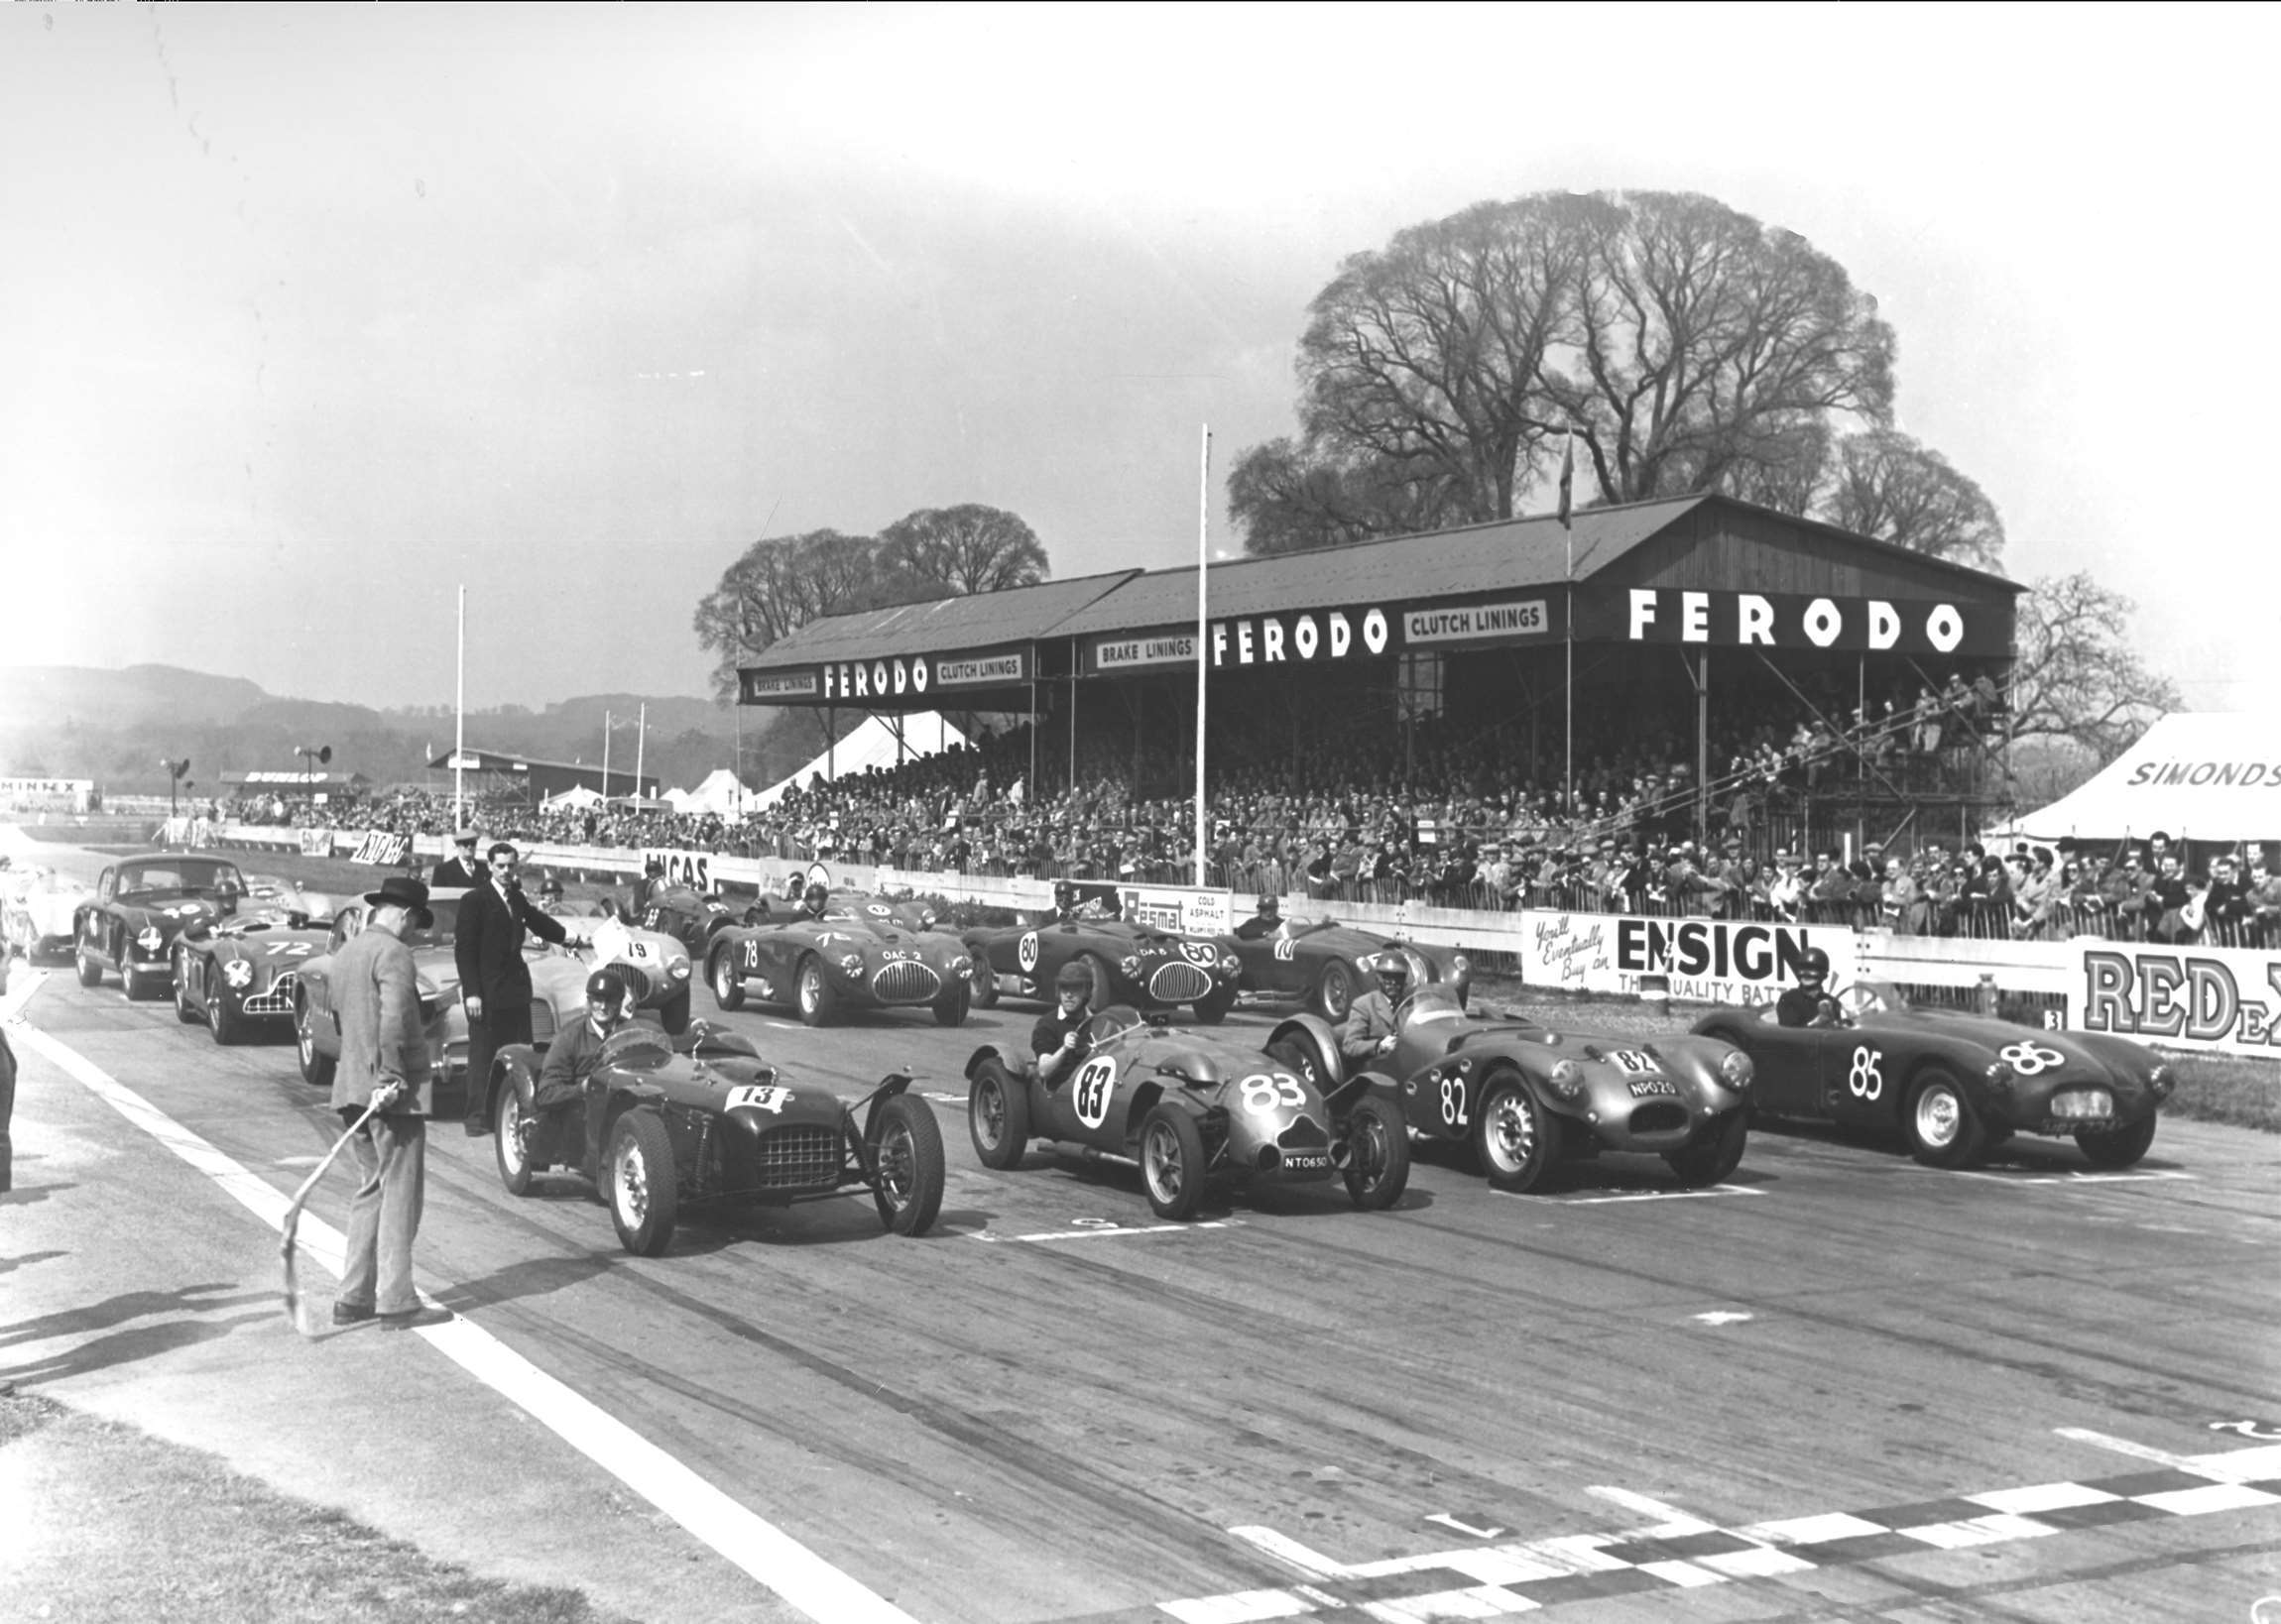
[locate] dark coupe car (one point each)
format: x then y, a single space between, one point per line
1953 1086
141 905
1524 1097
1323 964
1130 964
855 957
1194 1111
237 974
697 1119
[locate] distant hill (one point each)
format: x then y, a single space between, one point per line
116 726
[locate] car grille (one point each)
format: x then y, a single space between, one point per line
541 1023
1179 982
907 980
1660 1117
800 1156
278 1001
637 981
1304 1134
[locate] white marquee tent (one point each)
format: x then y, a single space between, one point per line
578 797
720 794
2201 775
872 744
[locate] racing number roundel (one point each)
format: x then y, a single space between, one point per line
1095 1081
1028 950
2030 1059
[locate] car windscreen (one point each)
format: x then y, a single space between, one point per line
188 874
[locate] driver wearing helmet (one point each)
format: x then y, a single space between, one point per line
568 1071
1058 1040
651 885
814 900
1368 1034
551 890
1266 922
1809 1002
1064 910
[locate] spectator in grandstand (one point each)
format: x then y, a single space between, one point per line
2263 893
1830 894
460 871
2164 904
2124 892
1901 906
2033 895
1986 896
1754 891
2224 902
1786 887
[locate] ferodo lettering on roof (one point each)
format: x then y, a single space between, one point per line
1270 639
1743 619
919 674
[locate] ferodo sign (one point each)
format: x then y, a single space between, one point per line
1713 961
1274 639
918 674
2224 999
1747 619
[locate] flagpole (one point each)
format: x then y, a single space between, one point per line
1203 532
459 728
1568 687
641 744
605 755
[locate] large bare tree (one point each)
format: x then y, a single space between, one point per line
955 551
2075 675
1887 485
777 587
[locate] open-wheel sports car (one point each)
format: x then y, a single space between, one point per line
39 911
851 958
237 974
1953 1086
558 989
141 905
1325 964
1131 964
1194 1111
698 1121
1524 1097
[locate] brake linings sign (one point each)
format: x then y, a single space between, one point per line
1711 960
2223 1000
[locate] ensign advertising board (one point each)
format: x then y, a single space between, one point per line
1714 961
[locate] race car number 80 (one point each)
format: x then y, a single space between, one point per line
1028 950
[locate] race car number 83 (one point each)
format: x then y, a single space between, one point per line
1090 1089
1264 1093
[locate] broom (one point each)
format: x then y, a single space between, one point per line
293 1216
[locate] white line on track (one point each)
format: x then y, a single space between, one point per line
1644 1195
1671 1521
2040 1180
752 1544
1108 1233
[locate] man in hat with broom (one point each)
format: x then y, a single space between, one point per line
384 1063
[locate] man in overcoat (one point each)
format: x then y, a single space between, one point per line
495 919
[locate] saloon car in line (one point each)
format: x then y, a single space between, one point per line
1131 964
857 956
1524 1097
1196 1109
141 905
1952 1086
697 1119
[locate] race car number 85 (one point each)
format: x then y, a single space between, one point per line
1862 1080
2028 1059
1262 1093
1096 1078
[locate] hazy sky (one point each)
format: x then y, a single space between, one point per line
312 313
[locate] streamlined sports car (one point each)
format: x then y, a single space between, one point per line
39 910
1325 964
698 1119
1195 1110
1524 1097
692 917
654 966
238 973
1131 964
850 958
1953 1086
140 906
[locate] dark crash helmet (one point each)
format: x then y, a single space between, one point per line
656 866
606 986
1064 894
1813 969
1394 973
1074 978
815 898
1270 906
550 889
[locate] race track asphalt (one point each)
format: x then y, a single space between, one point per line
1840 1386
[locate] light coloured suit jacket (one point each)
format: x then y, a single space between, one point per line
376 995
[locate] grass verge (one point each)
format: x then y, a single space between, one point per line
107 1522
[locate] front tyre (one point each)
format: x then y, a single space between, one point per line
91 973
818 1000
2116 1147
1515 1137
1378 1167
674 1013
1172 1162
317 1067
516 1127
1943 1129
643 1187
997 1115
910 1159
1710 1160
187 1009
223 1019
1335 992
951 1007
1213 1007
728 984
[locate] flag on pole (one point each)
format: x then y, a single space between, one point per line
1567 477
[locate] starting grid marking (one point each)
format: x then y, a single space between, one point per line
1688 1552
1716 1191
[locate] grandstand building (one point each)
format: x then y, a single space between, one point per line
1688 621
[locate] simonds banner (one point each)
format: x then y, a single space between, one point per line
1712 961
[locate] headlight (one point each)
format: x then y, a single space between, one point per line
852 963
238 973
1460 965
1130 965
926 919
2161 1081
679 969
1736 1070
149 938
2001 1077
1230 965
1567 1079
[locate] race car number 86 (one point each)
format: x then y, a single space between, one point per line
2028 1059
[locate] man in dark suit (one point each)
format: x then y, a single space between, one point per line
459 871
494 982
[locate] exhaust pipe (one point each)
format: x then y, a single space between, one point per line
1342 1153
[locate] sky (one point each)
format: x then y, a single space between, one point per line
312 315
